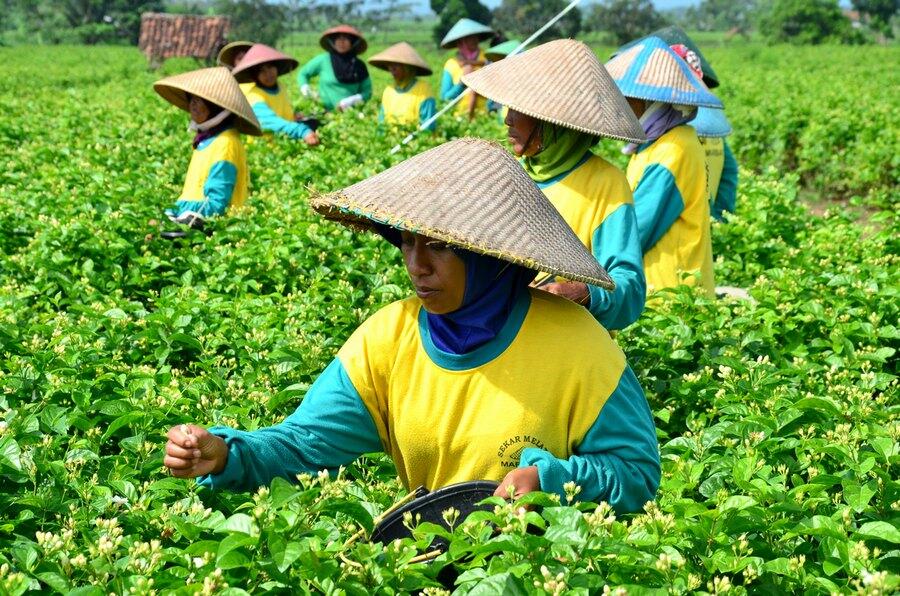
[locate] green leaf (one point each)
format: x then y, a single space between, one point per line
737 502
880 530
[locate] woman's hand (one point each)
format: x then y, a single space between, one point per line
192 451
312 139
523 481
575 291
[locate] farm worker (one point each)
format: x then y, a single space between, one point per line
410 100
496 54
465 36
232 53
667 174
343 78
217 176
711 125
478 376
561 101
258 73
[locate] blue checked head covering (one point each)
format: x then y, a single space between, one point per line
711 123
652 71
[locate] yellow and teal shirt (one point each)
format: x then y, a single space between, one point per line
274 111
408 106
595 200
331 90
668 179
552 390
452 86
217 177
722 169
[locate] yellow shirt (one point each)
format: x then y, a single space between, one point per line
279 102
472 415
226 146
405 107
453 72
715 162
671 199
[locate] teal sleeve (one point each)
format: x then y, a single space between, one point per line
618 459
726 194
427 109
309 71
381 113
617 247
217 191
366 89
493 106
272 122
448 89
331 428
657 204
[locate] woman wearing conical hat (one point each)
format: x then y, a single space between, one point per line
465 36
258 73
343 78
711 124
231 53
217 176
477 376
410 100
561 101
667 174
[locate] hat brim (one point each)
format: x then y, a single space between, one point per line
418 70
245 72
177 96
361 44
340 208
226 54
449 44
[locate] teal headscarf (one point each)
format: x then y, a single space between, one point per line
562 149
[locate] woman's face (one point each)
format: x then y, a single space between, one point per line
238 55
200 112
400 72
342 43
437 274
469 43
522 133
267 75
637 106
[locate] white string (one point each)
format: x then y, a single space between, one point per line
459 97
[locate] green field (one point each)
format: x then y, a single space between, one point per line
778 418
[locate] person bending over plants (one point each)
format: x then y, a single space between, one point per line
216 179
478 376
258 73
409 101
343 78
465 36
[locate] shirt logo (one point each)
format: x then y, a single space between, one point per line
511 449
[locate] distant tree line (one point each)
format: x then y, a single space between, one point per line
118 21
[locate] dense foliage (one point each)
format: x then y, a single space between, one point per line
524 17
777 417
806 21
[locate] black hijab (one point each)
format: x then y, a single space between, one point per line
347 67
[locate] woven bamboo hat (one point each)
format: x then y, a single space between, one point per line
215 85
674 35
401 53
472 194
560 82
465 28
710 122
262 54
501 50
652 71
227 54
360 46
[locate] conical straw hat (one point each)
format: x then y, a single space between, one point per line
711 122
401 53
262 54
501 50
215 85
360 46
464 28
674 35
560 82
472 194
227 53
652 71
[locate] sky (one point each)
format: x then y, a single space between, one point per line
422 6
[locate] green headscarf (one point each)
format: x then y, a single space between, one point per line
562 149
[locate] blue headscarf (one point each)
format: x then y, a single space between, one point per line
492 287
